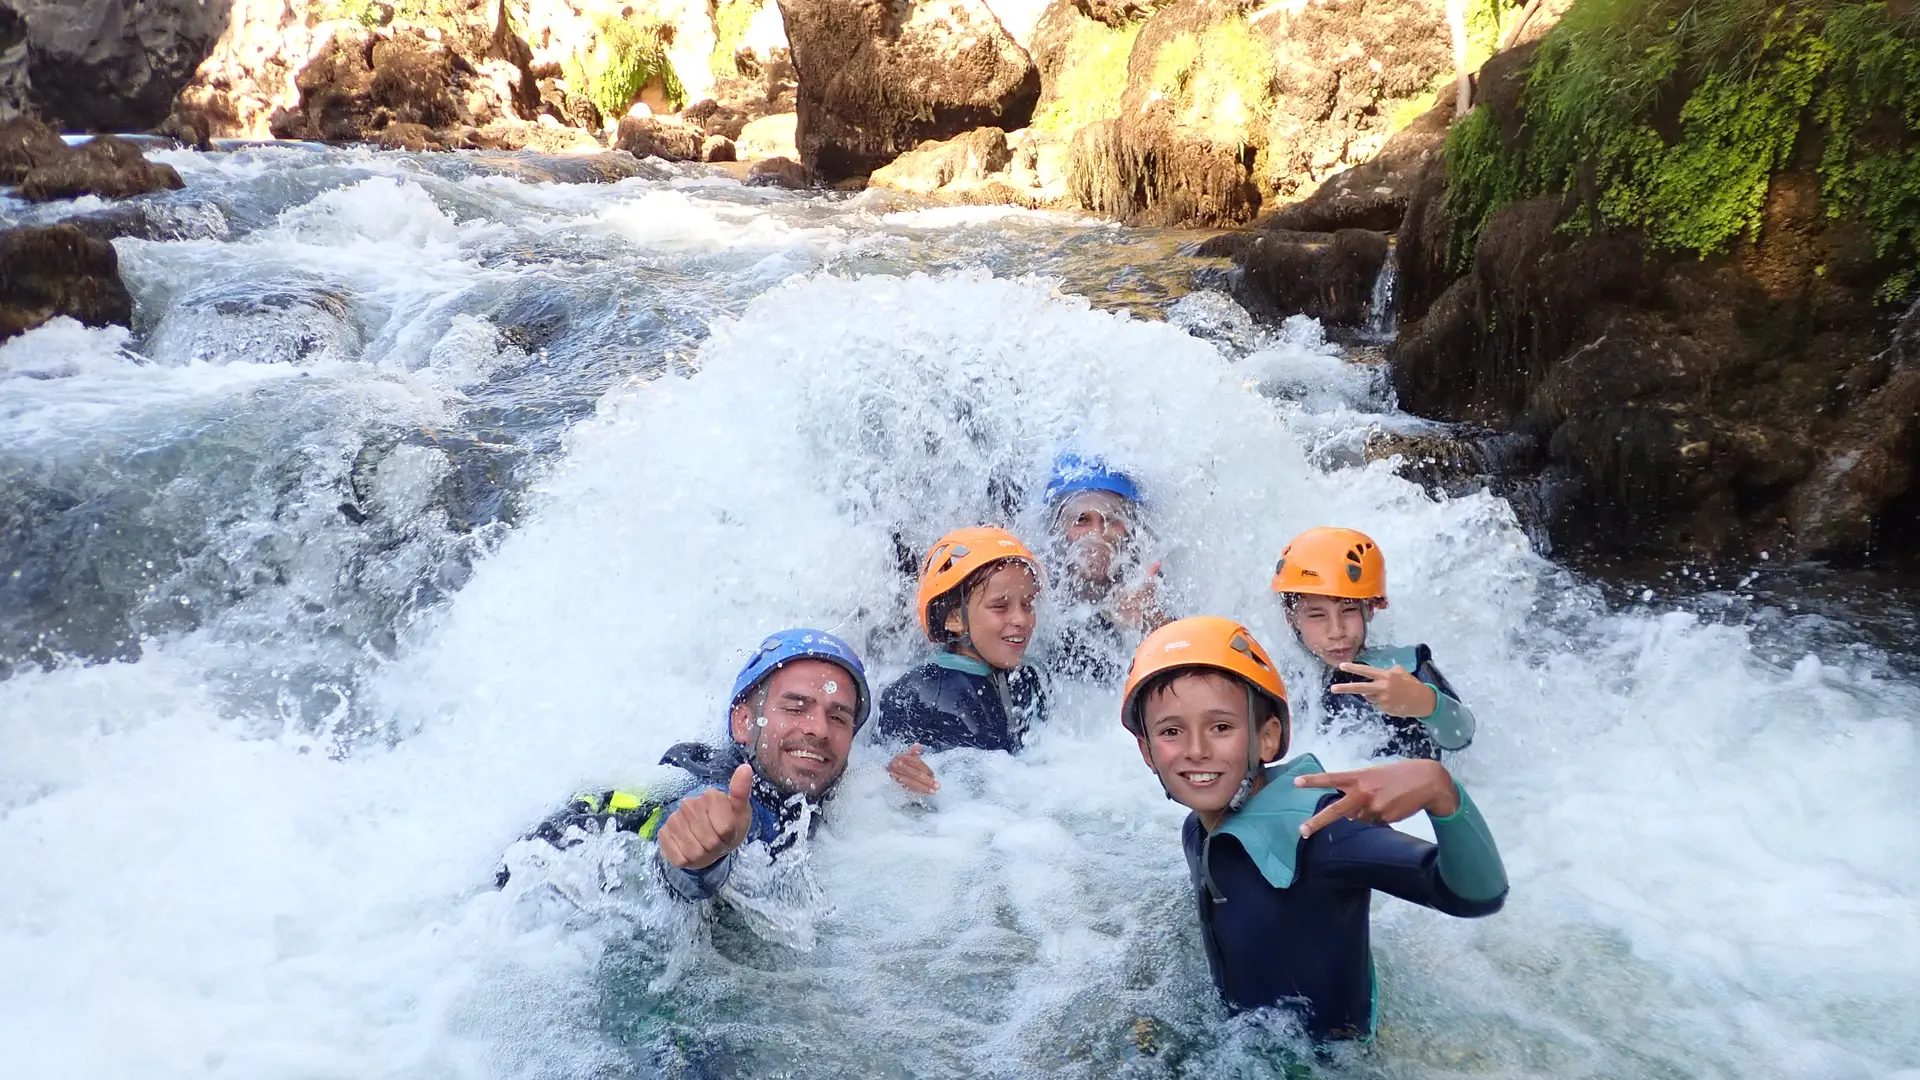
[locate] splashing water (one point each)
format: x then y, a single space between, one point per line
423 496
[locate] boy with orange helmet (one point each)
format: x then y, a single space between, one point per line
1285 857
978 588
1331 582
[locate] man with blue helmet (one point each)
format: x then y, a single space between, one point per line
795 708
1095 531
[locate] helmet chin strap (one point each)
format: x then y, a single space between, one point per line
1254 762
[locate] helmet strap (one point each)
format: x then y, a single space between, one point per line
1254 762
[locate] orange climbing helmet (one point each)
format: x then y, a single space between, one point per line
1202 641
955 558
1333 562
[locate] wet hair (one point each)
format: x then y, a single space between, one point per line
956 598
1263 706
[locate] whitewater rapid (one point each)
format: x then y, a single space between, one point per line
422 495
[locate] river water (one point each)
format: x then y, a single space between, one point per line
425 491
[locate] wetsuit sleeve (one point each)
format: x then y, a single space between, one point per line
692 885
1451 725
589 812
1467 881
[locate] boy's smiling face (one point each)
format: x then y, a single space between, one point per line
1332 628
1196 739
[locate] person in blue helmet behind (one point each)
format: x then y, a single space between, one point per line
1096 543
796 706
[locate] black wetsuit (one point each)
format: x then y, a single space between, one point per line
954 700
1286 921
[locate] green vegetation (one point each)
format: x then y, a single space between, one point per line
1219 80
626 57
1092 79
1672 117
730 20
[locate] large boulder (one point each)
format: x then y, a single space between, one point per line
107 166
879 77
58 270
1328 276
112 65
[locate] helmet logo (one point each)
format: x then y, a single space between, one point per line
1172 645
1314 574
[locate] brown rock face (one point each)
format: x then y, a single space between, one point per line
1711 407
59 270
878 77
363 81
1233 106
106 166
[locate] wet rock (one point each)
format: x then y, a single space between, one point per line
717 148
1707 407
59 270
113 65
778 172
109 167
942 167
1116 12
1326 276
27 144
1858 497
653 137
877 79
153 220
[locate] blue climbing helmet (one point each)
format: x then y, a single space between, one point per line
803 644
1072 472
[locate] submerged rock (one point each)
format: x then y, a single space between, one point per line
59 270
777 172
876 80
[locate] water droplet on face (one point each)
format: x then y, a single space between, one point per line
831 686
762 722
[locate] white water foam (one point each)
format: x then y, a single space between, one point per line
1711 856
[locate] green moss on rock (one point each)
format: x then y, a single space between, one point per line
1673 118
1092 78
626 57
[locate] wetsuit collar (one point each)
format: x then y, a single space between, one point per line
954 661
1268 827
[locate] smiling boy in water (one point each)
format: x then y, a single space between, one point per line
978 588
1331 582
1285 857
